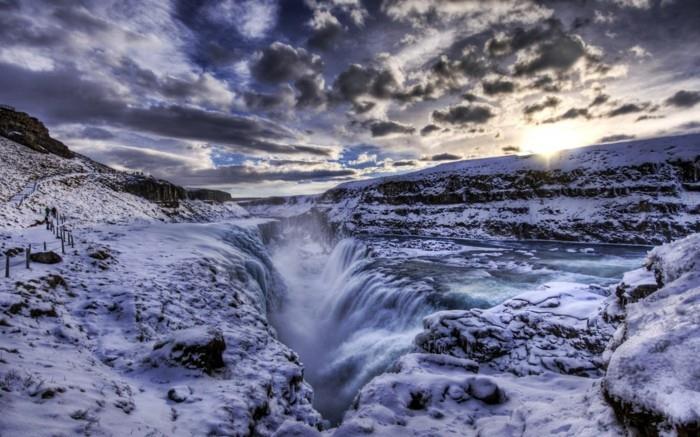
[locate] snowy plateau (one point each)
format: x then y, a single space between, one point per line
424 304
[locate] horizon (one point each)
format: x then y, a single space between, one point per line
287 98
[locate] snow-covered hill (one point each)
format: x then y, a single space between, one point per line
645 191
87 192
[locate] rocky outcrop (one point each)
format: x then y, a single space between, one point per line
209 195
194 348
652 372
155 190
29 131
643 192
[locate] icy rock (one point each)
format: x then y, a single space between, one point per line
557 328
179 393
296 429
49 257
199 348
652 376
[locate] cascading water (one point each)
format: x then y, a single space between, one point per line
351 312
348 320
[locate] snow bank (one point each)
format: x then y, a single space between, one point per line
652 376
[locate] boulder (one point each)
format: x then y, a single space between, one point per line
49 257
194 348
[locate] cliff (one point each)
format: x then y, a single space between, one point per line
645 192
29 131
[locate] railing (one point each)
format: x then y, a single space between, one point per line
64 237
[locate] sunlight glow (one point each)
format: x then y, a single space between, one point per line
548 139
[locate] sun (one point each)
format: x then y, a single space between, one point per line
548 139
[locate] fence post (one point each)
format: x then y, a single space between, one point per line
7 265
29 253
72 241
63 247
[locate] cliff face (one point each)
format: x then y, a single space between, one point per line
645 192
29 131
209 195
155 190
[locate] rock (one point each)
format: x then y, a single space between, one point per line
179 393
29 131
209 195
49 257
194 348
101 254
155 190
486 391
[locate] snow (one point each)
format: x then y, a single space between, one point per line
655 369
82 357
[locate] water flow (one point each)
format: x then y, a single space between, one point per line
352 311
346 317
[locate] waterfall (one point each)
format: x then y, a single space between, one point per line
348 317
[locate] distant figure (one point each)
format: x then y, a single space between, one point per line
53 212
47 211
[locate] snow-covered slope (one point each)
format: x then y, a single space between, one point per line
645 191
85 192
154 329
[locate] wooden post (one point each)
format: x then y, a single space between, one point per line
72 241
29 253
7 265
63 247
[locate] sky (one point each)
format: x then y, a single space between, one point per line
262 98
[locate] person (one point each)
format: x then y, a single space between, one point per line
46 212
53 212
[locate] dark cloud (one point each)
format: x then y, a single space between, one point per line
246 174
570 115
498 86
684 99
648 117
547 83
283 63
64 96
403 163
548 102
383 128
628 108
268 101
429 129
442 157
463 114
326 29
358 80
616 138
599 100
511 149
311 92
95 133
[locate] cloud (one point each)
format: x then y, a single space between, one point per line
64 96
498 86
442 157
403 163
616 138
95 133
570 115
384 128
684 99
628 108
283 63
326 29
599 100
548 102
251 18
358 81
511 149
429 129
463 114
245 173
